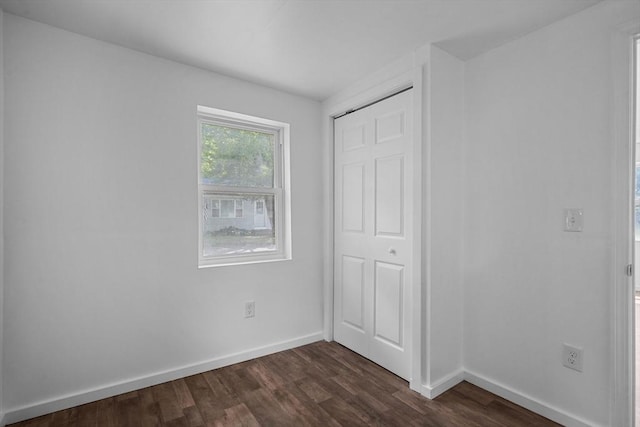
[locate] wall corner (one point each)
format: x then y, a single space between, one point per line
2 101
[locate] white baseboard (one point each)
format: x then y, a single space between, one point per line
441 386
548 411
431 392
80 398
527 402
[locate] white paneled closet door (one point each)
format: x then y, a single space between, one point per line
374 232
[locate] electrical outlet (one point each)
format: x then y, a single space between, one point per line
572 357
250 309
573 219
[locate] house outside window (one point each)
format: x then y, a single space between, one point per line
243 189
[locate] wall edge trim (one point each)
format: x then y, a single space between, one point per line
82 397
439 387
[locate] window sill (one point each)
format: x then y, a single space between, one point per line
238 262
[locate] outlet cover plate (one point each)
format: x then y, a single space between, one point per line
573 219
572 357
249 309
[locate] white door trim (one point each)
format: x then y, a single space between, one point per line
386 85
622 396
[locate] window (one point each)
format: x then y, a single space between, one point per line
215 210
230 208
243 189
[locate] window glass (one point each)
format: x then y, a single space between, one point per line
236 157
227 207
215 208
248 234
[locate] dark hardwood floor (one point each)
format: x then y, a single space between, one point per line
321 384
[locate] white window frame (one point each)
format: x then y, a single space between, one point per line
281 190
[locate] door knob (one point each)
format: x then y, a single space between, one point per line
392 251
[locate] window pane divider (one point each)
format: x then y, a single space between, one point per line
237 190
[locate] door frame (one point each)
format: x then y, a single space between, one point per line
393 79
622 325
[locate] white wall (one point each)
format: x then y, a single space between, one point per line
539 139
1 211
101 278
443 124
636 261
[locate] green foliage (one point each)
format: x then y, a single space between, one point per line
237 157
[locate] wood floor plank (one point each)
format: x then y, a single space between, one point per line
333 387
314 390
265 377
213 379
43 421
321 384
295 369
345 413
106 415
125 396
177 422
510 414
84 415
165 396
237 382
299 403
279 369
411 399
238 415
371 402
60 418
472 392
183 394
207 401
266 409
348 382
148 408
310 355
193 416
128 414
471 412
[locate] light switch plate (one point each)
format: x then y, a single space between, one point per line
573 219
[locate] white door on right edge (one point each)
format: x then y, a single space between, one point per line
374 232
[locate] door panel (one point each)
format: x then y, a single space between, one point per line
373 232
353 197
388 303
353 137
353 291
389 196
389 127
